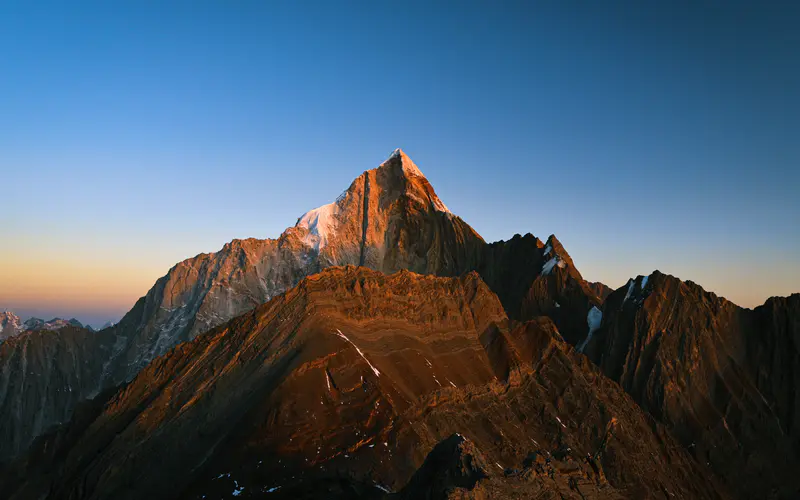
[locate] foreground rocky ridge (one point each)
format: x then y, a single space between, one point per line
356 384
389 219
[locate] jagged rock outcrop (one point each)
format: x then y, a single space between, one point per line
10 325
342 386
600 289
453 464
560 292
721 377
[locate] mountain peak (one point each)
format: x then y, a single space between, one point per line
397 176
408 168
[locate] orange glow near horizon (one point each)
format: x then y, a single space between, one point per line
101 285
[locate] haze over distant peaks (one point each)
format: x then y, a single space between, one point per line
11 324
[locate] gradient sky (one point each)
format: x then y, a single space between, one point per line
645 135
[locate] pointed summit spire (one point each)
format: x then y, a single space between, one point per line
408 167
415 181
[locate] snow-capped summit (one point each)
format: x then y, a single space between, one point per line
320 224
10 325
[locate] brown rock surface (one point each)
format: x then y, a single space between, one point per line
722 378
600 289
342 386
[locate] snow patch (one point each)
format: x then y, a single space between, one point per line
594 318
320 224
374 370
548 249
548 266
631 283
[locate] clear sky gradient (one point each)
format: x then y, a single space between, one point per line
645 135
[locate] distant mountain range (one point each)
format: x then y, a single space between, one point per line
380 348
11 324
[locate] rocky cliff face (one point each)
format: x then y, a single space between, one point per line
722 378
357 384
773 361
43 375
600 289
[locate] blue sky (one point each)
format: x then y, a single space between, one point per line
645 135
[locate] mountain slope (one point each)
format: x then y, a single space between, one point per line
342 386
722 378
43 375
